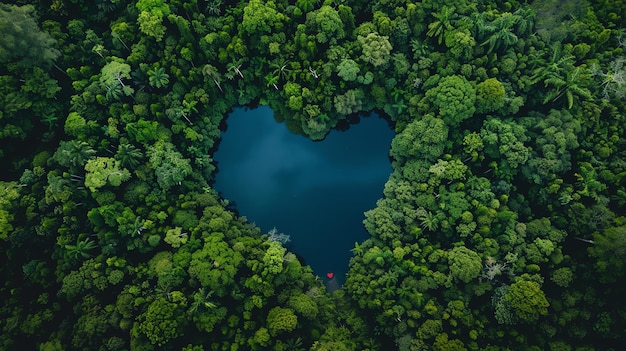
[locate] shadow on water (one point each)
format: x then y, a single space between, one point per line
316 192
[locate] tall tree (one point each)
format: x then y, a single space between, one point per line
443 23
22 39
170 166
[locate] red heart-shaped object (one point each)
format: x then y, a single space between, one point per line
330 275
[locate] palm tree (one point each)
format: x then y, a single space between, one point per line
116 35
213 7
483 24
281 69
526 22
211 72
236 69
556 66
357 250
306 5
128 155
158 78
294 344
188 108
137 227
389 291
419 48
429 221
201 301
50 119
404 291
417 298
390 278
501 32
81 248
99 49
114 92
567 86
74 153
271 80
443 23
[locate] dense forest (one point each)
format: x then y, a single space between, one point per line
501 227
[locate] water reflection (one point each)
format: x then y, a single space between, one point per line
314 191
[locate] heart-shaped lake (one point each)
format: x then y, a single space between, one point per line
316 192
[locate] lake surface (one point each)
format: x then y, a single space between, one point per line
316 192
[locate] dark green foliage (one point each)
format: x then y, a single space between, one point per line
501 226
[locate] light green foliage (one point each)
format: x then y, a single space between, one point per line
86 278
115 277
562 277
334 339
303 305
76 125
175 237
163 321
281 320
104 170
527 300
142 131
22 38
382 221
454 97
450 170
170 167
375 48
150 19
216 264
53 345
423 138
261 17
443 343
168 274
461 43
9 192
273 258
490 95
261 339
348 70
326 23
5 224
429 329
350 102
539 250
114 73
465 264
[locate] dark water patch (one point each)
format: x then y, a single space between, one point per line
316 192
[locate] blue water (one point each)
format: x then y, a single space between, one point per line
316 192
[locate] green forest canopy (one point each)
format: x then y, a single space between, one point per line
502 225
